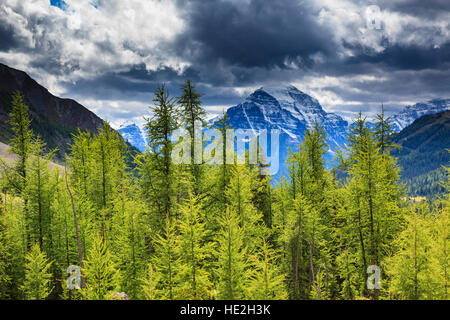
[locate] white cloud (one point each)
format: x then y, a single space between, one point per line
348 22
85 41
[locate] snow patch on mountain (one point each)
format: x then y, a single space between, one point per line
131 132
290 111
411 113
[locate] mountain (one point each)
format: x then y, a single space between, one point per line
410 113
54 119
291 111
423 152
133 134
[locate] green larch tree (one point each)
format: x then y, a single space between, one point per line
195 253
267 282
37 282
21 143
191 112
232 271
156 167
166 261
102 277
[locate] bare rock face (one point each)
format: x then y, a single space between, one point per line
53 118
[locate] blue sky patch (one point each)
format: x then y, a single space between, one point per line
59 3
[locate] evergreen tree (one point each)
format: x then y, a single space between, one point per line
232 271
101 274
22 140
108 174
128 245
384 131
37 282
5 257
238 195
375 197
38 192
149 284
409 269
267 282
224 170
156 166
194 252
294 239
191 112
440 257
166 261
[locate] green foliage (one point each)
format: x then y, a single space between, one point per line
384 131
39 190
100 271
190 113
5 257
149 283
232 260
166 261
156 166
195 252
267 283
409 269
37 282
21 142
218 231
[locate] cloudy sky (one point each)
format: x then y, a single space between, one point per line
349 54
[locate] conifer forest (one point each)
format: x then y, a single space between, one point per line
108 222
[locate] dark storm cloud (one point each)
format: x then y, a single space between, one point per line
249 43
138 84
407 57
420 8
7 38
135 81
252 34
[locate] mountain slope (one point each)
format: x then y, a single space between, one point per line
423 153
291 111
133 135
53 118
410 113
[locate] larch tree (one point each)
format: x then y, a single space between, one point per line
156 165
5 254
21 143
102 277
232 270
268 281
384 131
128 245
409 269
191 113
195 253
38 190
166 261
238 195
37 282
149 283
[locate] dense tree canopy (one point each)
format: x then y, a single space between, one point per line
162 230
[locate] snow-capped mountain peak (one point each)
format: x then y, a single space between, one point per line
289 110
131 132
410 113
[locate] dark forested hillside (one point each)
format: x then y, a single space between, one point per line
423 153
53 118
